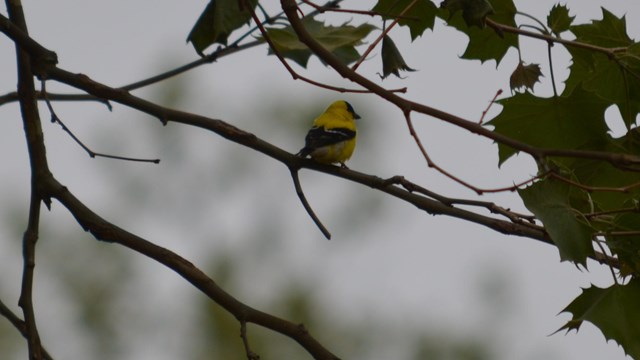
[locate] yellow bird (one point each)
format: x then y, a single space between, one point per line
332 138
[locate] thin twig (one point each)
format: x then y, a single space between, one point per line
430 163
305 203
245 341
381 36
484 113
56 119
528 220
13 97
500 28
20 326
631 209
613 273
323 8
618 233
553 76
434 165
620 189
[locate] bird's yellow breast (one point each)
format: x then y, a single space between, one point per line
335 153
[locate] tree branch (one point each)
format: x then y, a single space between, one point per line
39 169
247 139
105 231
500 28
250 140
305 203
20 326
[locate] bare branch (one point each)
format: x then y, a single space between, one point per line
16 32
20 326
39 169
305 203
250 140
245 341
501 28
484 113
105 231
56 119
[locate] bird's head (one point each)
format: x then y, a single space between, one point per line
343 106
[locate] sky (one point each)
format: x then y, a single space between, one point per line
386 259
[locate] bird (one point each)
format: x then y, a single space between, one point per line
332 138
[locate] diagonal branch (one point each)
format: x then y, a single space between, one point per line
250 140
501 28
105 231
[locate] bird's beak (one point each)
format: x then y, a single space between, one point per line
356 116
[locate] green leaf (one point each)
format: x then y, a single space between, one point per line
485 44
559 20
525 76
611 31
217 21
392 61
552 202
474 12
418 18
613 310
340 40
572 122
615 80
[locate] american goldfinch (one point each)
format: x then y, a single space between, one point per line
332 138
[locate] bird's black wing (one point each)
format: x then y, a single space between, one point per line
318 137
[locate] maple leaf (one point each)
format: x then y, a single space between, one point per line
614 310
525 76
217 21
392 61
559 20
418 18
